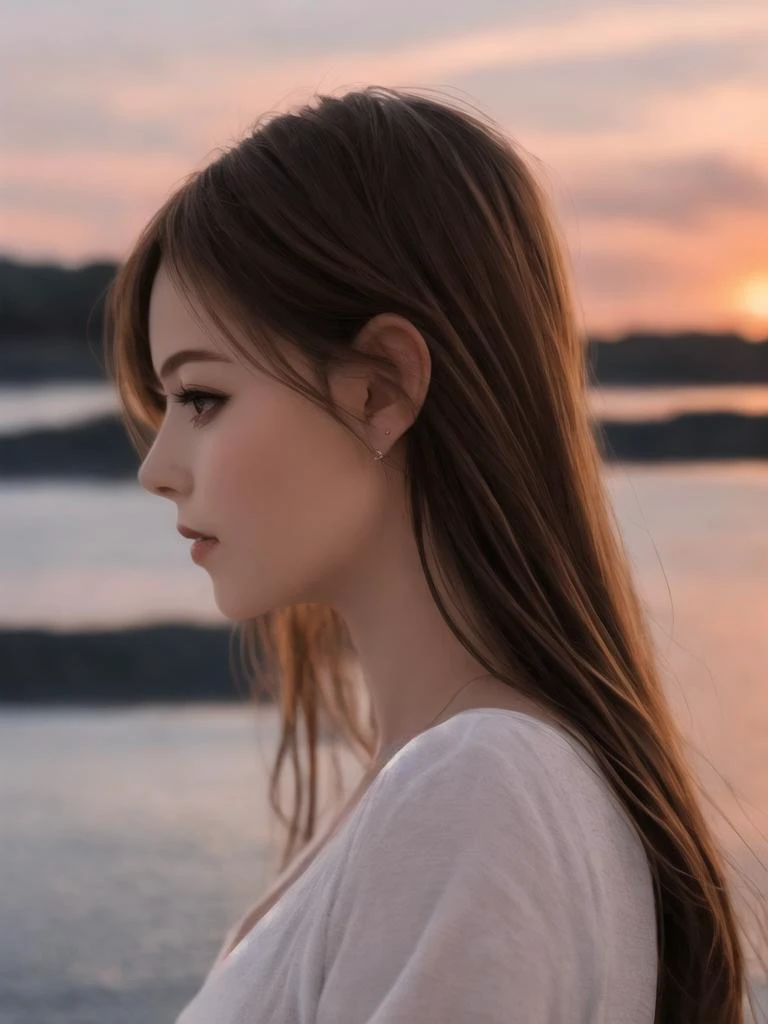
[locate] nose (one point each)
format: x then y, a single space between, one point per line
143 477
158 475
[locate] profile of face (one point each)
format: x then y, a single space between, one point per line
293 499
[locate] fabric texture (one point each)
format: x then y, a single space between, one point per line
488 875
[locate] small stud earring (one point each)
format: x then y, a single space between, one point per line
379 454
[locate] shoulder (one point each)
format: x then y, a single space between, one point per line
483 759
485 856
519 799
469 852
510 784
492 733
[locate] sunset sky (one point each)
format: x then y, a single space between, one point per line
648 123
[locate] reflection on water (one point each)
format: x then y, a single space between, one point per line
133 839
53 405
50 405
76 555
132 842
660 402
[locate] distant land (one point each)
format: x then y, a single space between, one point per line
100 449
164 663
51 329
154 663
52 326
191 663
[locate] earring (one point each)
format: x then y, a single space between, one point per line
380 454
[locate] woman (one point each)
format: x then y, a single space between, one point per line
390 448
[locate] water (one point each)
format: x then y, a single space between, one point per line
35 406
24 407
100 555
133 839
132 842
660 402
95 555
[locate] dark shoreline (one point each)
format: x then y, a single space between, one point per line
163 663
101 450
51 332
637 359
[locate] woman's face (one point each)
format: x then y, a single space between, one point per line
291 497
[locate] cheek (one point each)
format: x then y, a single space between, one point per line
296 497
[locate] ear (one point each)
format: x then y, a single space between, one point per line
370 394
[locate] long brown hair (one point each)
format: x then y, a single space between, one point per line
389 200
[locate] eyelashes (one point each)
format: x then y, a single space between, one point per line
192 396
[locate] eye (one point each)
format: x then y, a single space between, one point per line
187 396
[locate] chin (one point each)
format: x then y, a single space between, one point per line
239 611
244 605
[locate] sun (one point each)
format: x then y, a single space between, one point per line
753 296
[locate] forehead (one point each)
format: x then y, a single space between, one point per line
175 328
171 324
176 333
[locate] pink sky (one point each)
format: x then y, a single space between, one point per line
647 121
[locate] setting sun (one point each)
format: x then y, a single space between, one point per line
753 296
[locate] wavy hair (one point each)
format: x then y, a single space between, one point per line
391 200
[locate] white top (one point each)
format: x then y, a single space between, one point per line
489 874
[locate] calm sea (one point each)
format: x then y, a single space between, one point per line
133 839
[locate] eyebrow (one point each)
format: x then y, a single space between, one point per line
190 355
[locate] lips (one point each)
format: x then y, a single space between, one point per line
190 534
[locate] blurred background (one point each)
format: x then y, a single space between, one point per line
135 825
